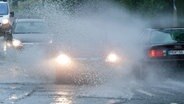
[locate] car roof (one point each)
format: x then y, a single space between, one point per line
166 29
170 28
27 20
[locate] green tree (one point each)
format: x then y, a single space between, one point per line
147 7
180 13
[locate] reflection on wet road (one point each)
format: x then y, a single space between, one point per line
25 88
168 92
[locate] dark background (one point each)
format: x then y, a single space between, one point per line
152 9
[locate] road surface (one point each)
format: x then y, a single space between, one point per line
167 92
25 86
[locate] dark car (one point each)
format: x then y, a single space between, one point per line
163 47
166 44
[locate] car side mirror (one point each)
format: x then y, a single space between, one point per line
12 14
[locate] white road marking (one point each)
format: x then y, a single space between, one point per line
175 83
164 92
145 93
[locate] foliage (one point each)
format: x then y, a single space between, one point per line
148 7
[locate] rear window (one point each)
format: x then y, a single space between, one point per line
167 36
3 9
159 37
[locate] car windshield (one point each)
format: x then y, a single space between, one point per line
25 27
3 9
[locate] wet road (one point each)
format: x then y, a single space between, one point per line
167 92
18 86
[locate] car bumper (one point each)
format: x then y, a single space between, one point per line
165 62
87 71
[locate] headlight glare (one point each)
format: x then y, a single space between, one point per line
5 21
17 43
112 58
63 59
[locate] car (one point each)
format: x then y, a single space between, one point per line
5 17
81 68
163 47
78 60
72 57
28 32
25 34
30 39
71 63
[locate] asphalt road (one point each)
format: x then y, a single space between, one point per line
23 86
167 92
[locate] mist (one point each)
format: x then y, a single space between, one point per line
93 29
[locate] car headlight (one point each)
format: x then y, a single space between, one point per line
5 21
112 58
63 59
16 43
